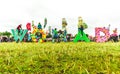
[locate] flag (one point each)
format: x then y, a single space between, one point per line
45 22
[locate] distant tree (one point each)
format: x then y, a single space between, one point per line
6 33
0 33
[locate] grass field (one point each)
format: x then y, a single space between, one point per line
60 58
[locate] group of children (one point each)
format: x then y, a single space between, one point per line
60 35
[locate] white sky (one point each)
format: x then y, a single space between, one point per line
96 13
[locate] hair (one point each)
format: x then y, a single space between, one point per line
55 28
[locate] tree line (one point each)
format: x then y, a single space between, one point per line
6 33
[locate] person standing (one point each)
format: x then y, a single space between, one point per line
19 27
81 29
39 26
55 33
80 25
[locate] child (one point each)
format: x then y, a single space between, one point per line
19 27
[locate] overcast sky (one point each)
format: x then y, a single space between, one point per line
96 13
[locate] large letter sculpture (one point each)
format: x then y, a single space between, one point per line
81 35
101 38
18 37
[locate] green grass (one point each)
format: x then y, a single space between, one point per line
60 58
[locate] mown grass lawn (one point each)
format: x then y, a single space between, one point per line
60 58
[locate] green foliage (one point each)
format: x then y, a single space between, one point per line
60 58
6 33
0 33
